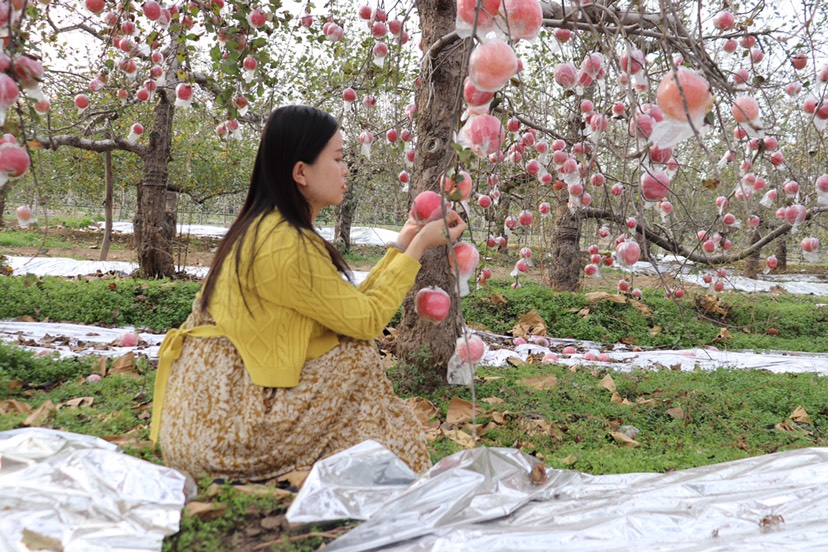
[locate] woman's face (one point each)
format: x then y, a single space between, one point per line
323 181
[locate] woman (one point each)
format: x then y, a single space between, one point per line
275 367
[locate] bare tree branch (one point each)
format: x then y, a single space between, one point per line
669 244
100 146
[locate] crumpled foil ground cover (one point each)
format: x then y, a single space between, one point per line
78 493
483 499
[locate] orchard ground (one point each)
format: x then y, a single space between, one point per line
568 416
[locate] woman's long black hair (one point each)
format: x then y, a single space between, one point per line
293 133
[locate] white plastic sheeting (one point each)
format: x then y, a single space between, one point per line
679 267
61 266
683 359
805 284
78 493
359 234
76 339
484 499
340 486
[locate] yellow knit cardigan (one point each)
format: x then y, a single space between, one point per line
299 305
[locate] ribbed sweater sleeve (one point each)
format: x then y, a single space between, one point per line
314 288
371 280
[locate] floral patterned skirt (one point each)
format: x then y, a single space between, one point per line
217 422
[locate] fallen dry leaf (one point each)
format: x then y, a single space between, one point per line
618 399
274 522
125 366
474 429
490 426
641 307
541 383
424 410
676 413
534 426
584 312
785 426
538 475
11 406
295 478
654 331
459 411
33 540
432 433
495 299
608 383
492 400
530 324
799 415
498 417
102 366
40 415
460 437
710 304
516 361
79 402
205 511
569 460
624 439
492 378
597 296
723 335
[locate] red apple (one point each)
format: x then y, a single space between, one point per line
432 304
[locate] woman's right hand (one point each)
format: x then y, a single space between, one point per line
434 233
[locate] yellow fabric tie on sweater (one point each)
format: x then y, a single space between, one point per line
167 355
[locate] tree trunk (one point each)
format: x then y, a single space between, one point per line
344 218
781 254
2 206
344 212
752 262
107 206
153 232
424 348
565 266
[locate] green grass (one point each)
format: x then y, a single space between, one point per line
797 322
726 415
365 254
83 222
802 325
157 305
31 238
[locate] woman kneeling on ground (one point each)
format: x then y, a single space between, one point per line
276 368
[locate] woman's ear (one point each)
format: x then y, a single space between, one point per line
299 173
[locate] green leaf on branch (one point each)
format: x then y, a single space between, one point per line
152 37
464 155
